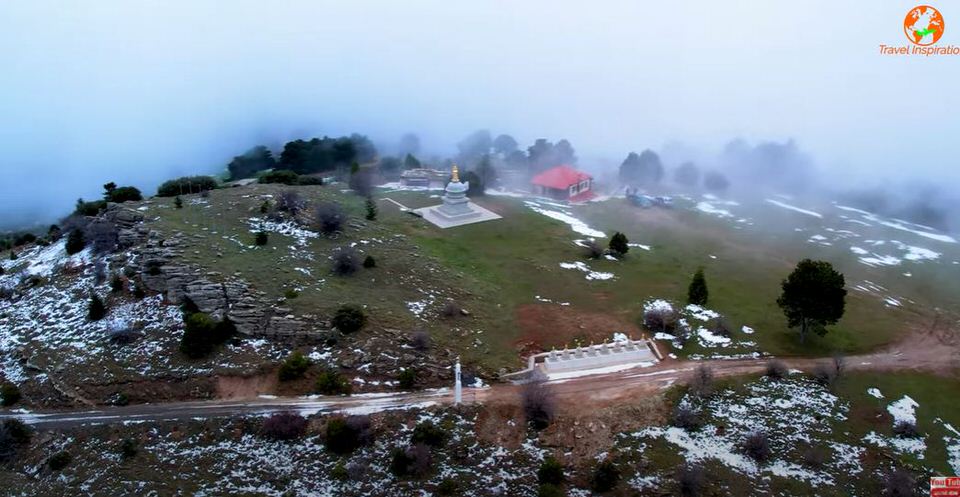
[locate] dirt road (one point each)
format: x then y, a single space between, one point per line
929 351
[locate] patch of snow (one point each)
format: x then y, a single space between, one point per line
875 392
712 209
591 274
903 410
794 208
701 313
746 329
567 217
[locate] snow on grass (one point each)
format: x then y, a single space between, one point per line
701 313
708 338
286 228
746 329
875 392
566 217
591 274
709 208
639 246
903 410
897 224
794 208
914 253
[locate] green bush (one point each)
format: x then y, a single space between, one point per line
447 487
619 244
605 476
551 471
349 318
407 379
369 262
96 310
282 176
10 394
128 448
116 283
261 238
344 435
59 460
310 180
90 208
202 334
550 490
14 434
339 472
186 185
123 194
294 367
333 383
430 434
75 242
178 202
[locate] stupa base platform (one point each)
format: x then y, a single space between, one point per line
476 214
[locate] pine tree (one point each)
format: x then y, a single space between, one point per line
97 310
178 202
261 238
619 244
75 242
371 209
697 293
13 255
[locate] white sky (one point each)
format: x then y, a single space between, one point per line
135 91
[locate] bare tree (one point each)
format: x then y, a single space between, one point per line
592 249
839 364
284 426
660 320
814 457
539 404
722 328
330 217
825 374
776 369
687 418
290 202
451 309
701 384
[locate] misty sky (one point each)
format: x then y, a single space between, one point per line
136 91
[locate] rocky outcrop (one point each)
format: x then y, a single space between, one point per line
129 223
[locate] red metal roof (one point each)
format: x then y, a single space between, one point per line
560 177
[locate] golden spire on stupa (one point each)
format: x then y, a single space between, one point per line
454 174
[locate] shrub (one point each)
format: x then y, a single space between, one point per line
619 245
202 333
290 293
776 370
96 310
430 434
451 309
722 327
282 176
14 434
123 194
290 202
369 262
551 471
90 209
186 185
686 418
139 292
605 476
447 487
330 217
539 404
899 483
265 207
414 461
349 318
59 460
333 383
550 490
284 426
294 367
757 446
103 235
690 480
75 242
701 384
344 435
345 262
905 429
9 394
824 374
660 320
340 472
814 457
592 249
371 207
178 202
120 332
420 341
116 283
407 379
697 291
128 448
261 238
309 180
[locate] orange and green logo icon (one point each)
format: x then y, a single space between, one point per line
923 25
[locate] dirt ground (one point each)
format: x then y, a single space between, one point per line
544 326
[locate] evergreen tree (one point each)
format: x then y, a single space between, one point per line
619 244
369 262
697 292
813 297
13 255
371 209
75 242
261 238
96 310
178 202
411 162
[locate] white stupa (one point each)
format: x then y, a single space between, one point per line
456 209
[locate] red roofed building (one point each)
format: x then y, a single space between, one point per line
563 183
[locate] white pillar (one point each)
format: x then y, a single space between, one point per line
457 387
